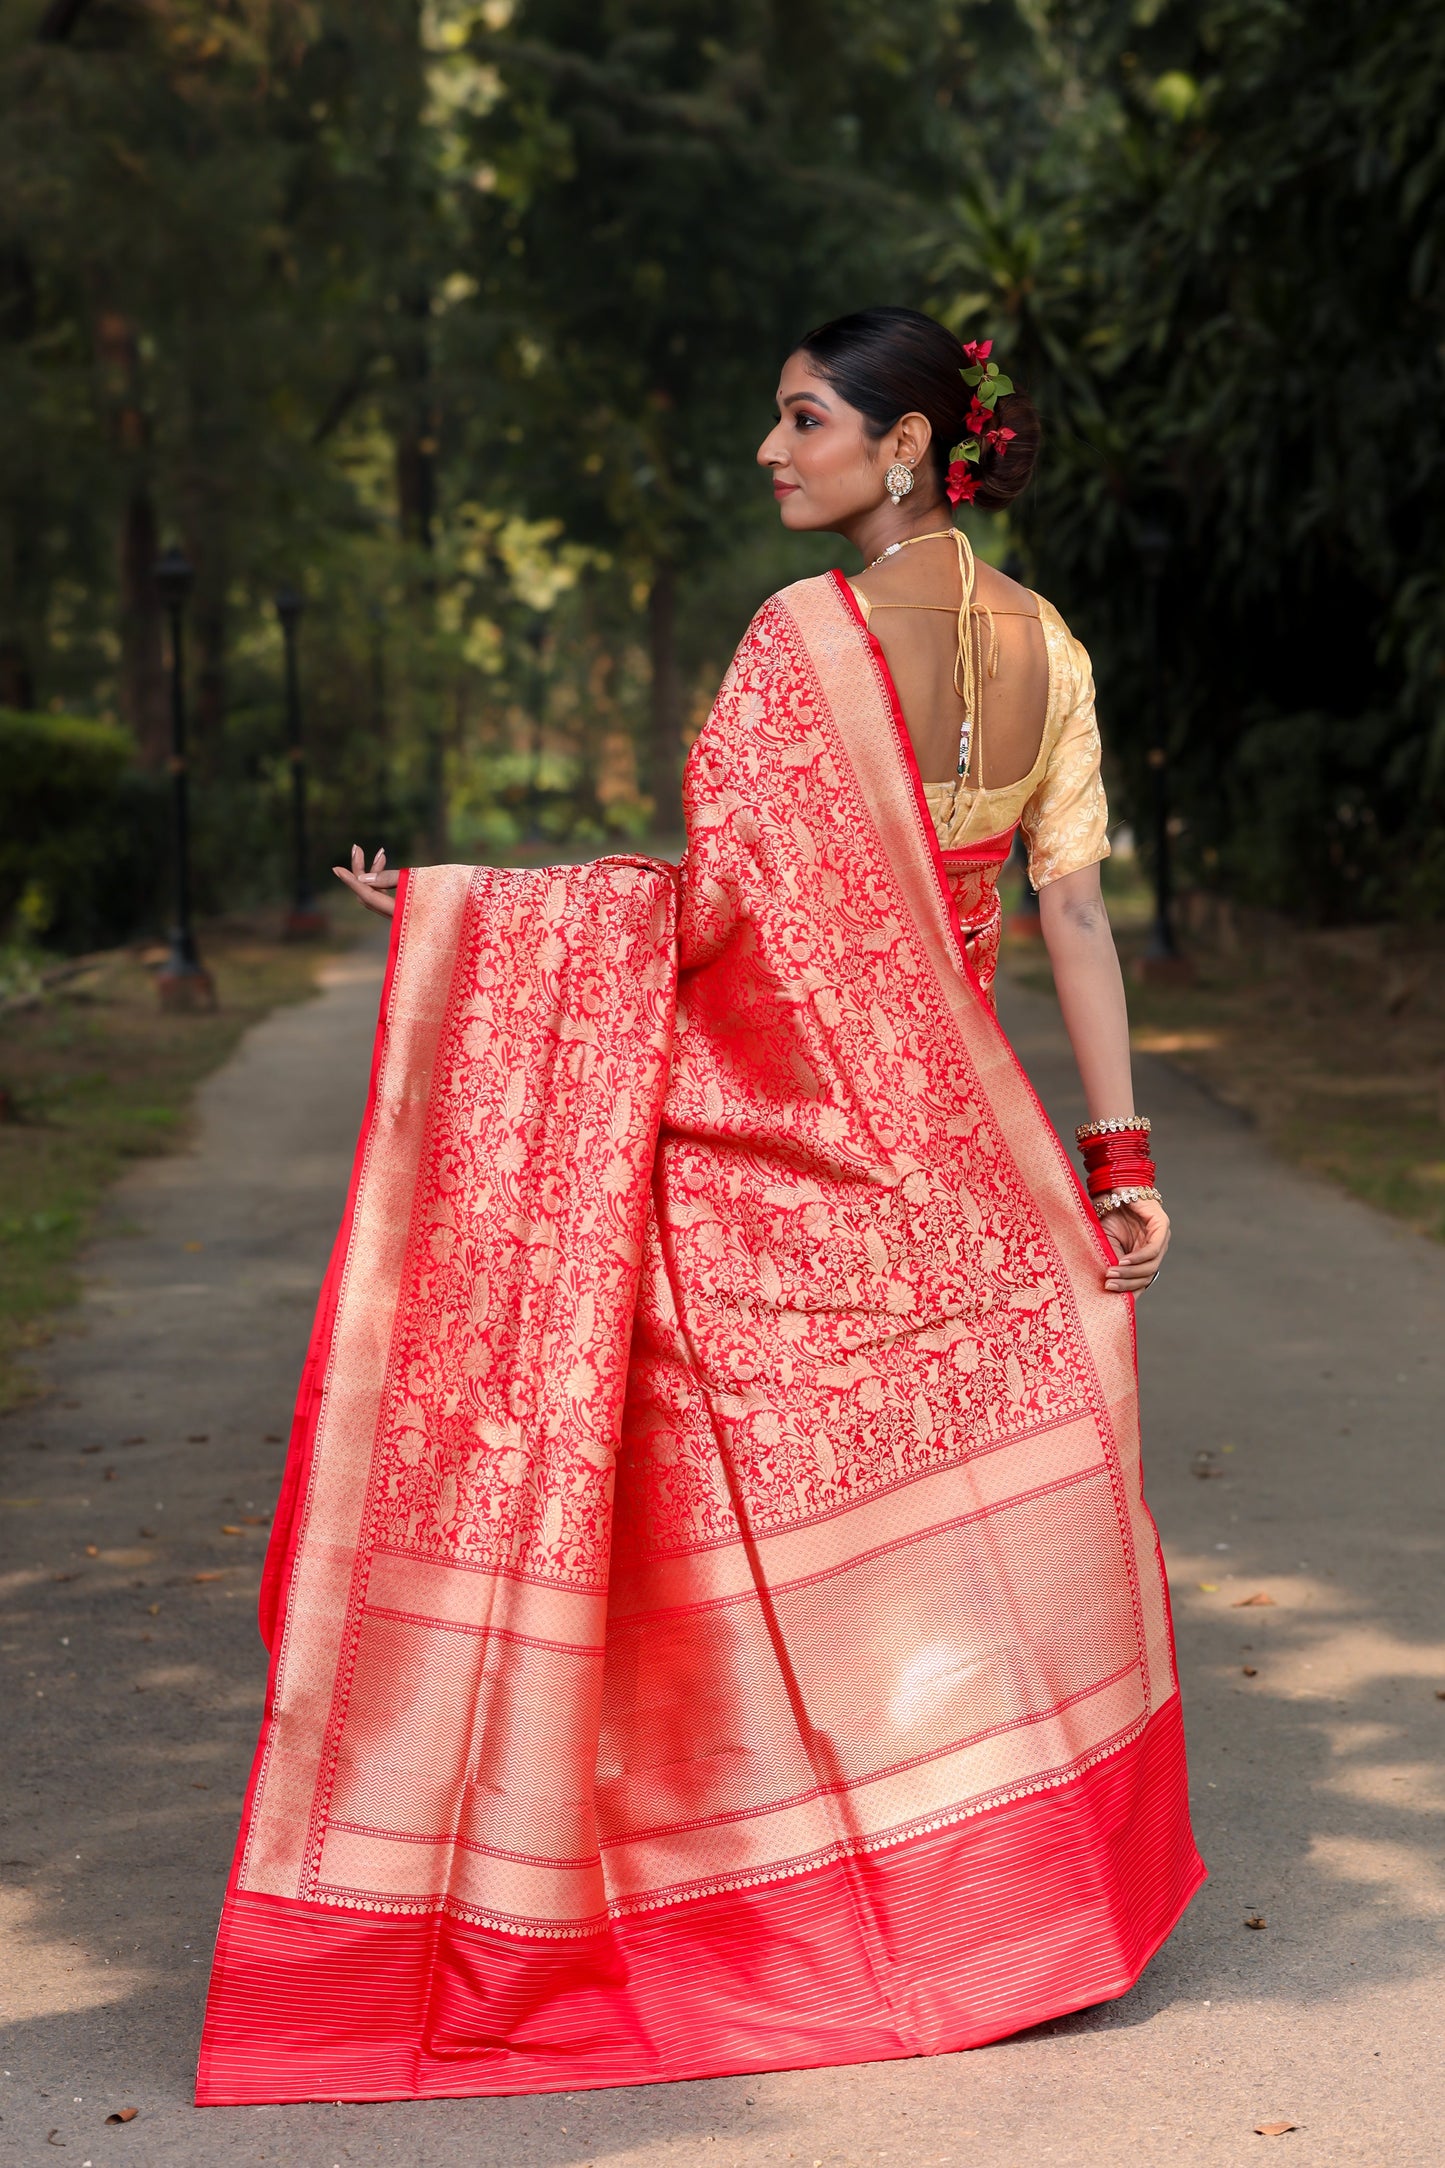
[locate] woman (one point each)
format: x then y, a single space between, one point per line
715 1620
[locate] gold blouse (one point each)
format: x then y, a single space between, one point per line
1060 803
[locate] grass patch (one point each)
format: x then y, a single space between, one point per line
96 1075
1331 1041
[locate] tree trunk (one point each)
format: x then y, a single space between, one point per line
59 19
416 438
377 706
438 808
143 702
209 619
211 671
17 678
17 686
416 515
666 703
22 578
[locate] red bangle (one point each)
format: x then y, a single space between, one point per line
1118 1159
1131 1170
1112 1125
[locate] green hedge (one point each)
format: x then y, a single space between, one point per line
82 833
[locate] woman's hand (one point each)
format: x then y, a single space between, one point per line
1140 1235
374 889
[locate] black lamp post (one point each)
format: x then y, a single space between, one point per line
303 920
185 982
1163 958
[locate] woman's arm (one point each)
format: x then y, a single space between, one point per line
1091 995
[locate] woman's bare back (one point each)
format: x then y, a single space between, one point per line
913 600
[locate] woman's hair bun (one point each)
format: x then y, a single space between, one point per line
890 362
1005 474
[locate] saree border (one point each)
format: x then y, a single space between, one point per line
286 1521
269 1846
363 1564
273 1603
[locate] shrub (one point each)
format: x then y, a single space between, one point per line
82 853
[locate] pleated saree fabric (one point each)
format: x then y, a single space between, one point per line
715 1620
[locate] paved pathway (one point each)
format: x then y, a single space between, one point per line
1294 1337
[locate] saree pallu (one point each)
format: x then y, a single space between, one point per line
715 1620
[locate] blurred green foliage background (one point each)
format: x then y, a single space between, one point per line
466 318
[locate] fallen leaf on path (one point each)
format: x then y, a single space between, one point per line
1250 1603
53 2137
193 1246
152 1610
205 1576
1439 1691
229 1528
148 1532
76 1577
1255 1919
271 1437
1251 1671
92 1550
110 1475
1209 1588
199 1787
199 1437
90 1449
1274 2130
123 2115
1203 1471
132 1441
258 1520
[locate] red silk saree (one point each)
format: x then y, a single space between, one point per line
715 1622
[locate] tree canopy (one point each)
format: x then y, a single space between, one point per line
466 318
1224 280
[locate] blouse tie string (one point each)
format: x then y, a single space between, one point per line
970 655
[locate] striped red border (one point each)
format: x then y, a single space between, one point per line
959 1937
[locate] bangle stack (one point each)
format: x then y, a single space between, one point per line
1117 1167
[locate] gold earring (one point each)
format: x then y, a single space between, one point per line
898 481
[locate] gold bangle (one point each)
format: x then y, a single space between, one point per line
1114 1198
1114 1126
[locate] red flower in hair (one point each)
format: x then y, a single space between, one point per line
996 439
977 351
979 416
961 483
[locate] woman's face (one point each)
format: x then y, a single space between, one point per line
826 470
